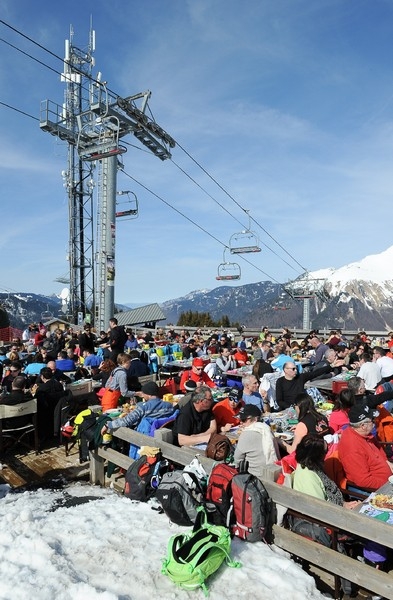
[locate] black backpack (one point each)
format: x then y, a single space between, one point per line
85 434
143 476
178 501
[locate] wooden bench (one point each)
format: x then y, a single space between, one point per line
336 517
328 514
181 456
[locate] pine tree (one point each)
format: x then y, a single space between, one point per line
4 318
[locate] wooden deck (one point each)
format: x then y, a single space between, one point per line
21 469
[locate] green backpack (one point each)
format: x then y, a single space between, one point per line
193 556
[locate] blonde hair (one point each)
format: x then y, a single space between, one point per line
123 358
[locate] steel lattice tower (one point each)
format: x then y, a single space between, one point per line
92 121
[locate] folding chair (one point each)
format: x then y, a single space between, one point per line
17 434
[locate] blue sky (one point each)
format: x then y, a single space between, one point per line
287 104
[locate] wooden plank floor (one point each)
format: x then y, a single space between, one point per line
20 468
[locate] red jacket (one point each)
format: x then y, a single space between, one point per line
202 377
241 357
224 413
363 460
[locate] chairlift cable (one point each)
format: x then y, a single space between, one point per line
197 225
177 143
29 55
80 71
228 212
22 112
238 204
173 207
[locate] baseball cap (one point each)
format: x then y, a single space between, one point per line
234 394
249 410
197 362
360 412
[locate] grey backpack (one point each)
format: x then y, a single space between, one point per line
178 501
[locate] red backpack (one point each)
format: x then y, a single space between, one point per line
219 491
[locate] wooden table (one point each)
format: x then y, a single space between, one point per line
321 384
241 372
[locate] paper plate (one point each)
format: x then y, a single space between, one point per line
384 498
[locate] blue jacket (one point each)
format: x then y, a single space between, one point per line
154 409
65 364
92 360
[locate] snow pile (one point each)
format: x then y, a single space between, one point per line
109 548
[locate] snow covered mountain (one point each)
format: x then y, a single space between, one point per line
376 271
361 296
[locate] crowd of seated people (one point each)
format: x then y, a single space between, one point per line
116 358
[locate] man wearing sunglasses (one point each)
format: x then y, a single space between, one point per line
292 383
15 369
364 461
196 421
226 411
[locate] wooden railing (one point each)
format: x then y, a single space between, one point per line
329 514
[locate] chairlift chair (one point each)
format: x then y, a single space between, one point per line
100 139
228 271
130 210
46 315
244 242
99 153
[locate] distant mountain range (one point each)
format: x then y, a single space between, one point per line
360 297
24 308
